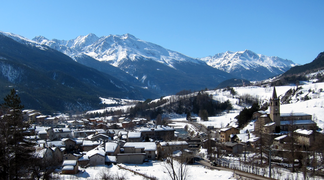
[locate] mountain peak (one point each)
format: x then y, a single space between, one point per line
39 38
128 36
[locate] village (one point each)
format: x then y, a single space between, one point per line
70 143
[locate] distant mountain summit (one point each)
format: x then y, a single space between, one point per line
249 65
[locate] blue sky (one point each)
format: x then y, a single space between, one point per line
290 29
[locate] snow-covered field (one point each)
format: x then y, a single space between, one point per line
152 169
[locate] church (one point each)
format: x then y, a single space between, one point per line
275 122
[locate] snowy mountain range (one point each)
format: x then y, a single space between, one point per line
150 65
117 49
246 64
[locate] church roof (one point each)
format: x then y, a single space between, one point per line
274 94
297 122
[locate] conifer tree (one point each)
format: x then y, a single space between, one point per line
15 150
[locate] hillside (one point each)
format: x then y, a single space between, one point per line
50 81
315 65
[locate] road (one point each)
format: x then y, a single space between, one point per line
238 174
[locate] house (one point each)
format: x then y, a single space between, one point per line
45 154
225 133
149 148
96 156
305 137
233 148
83 133
194 143
59 133
253 142
282 121
128 125
165 133
279 142
51 120
89 145
111 159
57 155
134 137
70 167
70 144
112 148
99 137
131 158
166 148
71 156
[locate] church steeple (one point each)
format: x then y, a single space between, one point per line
275 108
274 94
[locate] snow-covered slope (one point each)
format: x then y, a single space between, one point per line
115 48
24 40
246 64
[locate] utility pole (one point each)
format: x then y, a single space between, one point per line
269 162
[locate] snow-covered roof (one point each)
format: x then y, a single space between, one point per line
134 134
148 146
68 168
294 114
304 131
69 162
84 158
270 124
90 143
224 129
280 137
253 139
297 122
56 143
112 159
171 143
158 128
111 146
65 130
97 150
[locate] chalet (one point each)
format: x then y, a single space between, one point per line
225 133
70 167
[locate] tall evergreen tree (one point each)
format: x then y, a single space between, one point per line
15 150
